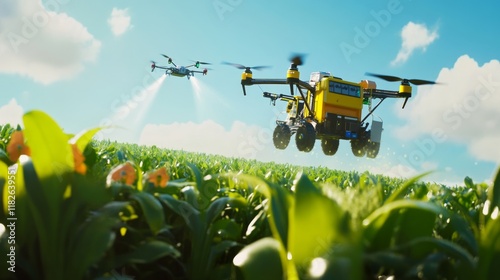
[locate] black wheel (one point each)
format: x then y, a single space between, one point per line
358 148
281 136
305 138
329 146
372 149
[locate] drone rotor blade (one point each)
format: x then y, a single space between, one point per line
385 77
201 62
239 66
259 67
419 82
297 59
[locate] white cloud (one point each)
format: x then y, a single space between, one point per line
415 36
462 109
11 113
43 44
241 140
119 21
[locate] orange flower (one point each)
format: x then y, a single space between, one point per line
79 160
17 147
158 177
124 173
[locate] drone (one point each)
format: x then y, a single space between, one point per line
329 108
180 71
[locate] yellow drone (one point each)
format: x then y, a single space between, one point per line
329 108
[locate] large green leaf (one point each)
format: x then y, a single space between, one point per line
399 214
152 210
260 261
493 203
489 253
314 223
50 151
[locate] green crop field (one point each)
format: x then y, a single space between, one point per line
75 208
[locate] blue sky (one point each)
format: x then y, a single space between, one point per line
86 63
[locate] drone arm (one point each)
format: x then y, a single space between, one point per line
371 111
380 93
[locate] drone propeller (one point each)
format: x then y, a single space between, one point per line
247 68
201 62
297 59
388 78
405 83
198 63
170 61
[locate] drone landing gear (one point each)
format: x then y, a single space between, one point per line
372 149
329 146
361 148
305 137
358 148
281 136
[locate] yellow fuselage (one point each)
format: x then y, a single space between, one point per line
336 96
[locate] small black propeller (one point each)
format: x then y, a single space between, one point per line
389 78
201 62
297 59
239 66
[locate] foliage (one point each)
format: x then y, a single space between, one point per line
89 209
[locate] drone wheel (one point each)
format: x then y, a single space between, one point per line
329 146
372 149
358 148
281 136
305 138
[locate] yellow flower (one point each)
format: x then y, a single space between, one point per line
17 146
124 173
79 160
158 177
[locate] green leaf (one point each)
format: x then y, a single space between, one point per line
226 229
401 191
387 224
152 210
214 209
50 151
314 222
494 194
489 252
451 249
190 215
92 239
149 251
83 138
263 253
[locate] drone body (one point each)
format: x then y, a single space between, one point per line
180 71
330 109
